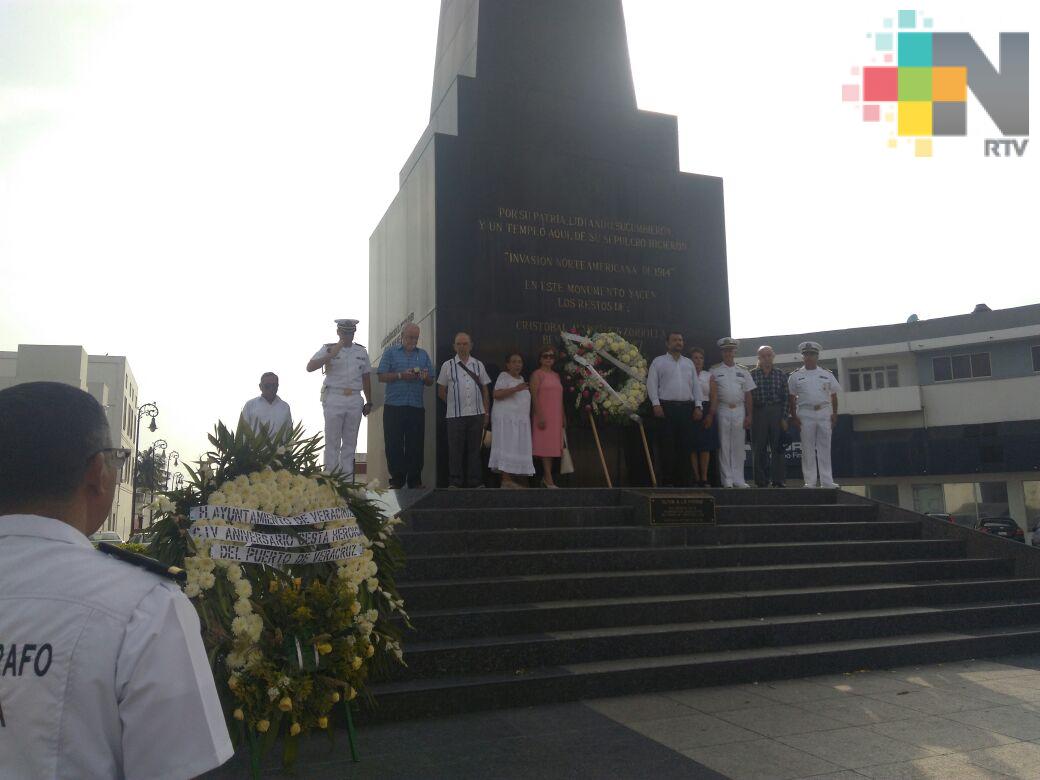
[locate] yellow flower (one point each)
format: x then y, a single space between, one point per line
263 725
335 697
238 714
273 587
351 694
298 582
323 722
294 730
285 705
370 651
356 663
232 682
324 648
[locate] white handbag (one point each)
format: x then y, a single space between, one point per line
566 462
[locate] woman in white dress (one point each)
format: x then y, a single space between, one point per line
511 425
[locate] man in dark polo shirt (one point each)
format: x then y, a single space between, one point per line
406 371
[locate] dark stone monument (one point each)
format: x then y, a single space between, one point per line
539 198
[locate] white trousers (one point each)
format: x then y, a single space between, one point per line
342 420
731 443
816 445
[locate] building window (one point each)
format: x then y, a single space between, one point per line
1036 358
888 494
970 366
928 498
876 378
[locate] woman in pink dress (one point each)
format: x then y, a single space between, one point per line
547 408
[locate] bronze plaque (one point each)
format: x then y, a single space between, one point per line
681 508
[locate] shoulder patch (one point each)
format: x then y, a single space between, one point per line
143 561
359 345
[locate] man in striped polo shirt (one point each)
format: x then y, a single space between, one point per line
463 385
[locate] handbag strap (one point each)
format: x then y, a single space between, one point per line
469 371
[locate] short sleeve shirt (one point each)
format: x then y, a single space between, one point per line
401 392
813 387
344 371
102 670
731 383
275 415
464 396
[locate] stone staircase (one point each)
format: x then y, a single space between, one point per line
527 597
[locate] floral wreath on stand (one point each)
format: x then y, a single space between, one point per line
604 374
292 573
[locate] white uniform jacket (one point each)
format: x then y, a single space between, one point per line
103 673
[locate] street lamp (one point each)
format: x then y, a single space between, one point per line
175 457
145 410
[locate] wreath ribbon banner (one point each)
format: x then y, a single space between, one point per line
235 514
247 553
303 539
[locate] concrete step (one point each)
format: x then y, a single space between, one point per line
474 499
449 694
424 568
530 539
553 616
489 518
516 653
719 579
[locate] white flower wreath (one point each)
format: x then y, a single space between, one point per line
594 357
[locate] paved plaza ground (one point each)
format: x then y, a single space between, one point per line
971 720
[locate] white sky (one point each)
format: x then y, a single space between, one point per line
193 184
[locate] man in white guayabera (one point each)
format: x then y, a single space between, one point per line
268 411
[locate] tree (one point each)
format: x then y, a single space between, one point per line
151 471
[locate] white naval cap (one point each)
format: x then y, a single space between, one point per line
809 346
727 342
347 324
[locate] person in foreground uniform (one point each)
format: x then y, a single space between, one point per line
102 668
347 372
733 406
268 410
814 409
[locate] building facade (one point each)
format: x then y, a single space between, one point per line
938 415
107 378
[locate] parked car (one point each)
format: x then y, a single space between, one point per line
141 538
105 536
1005 527
941 516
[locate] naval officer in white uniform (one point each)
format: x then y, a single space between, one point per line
814 409
103 673
732 406
347 373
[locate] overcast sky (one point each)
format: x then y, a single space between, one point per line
193 184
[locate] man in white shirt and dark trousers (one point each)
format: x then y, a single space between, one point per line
733 408
671 384
267 410
463 385
814 409
110 677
